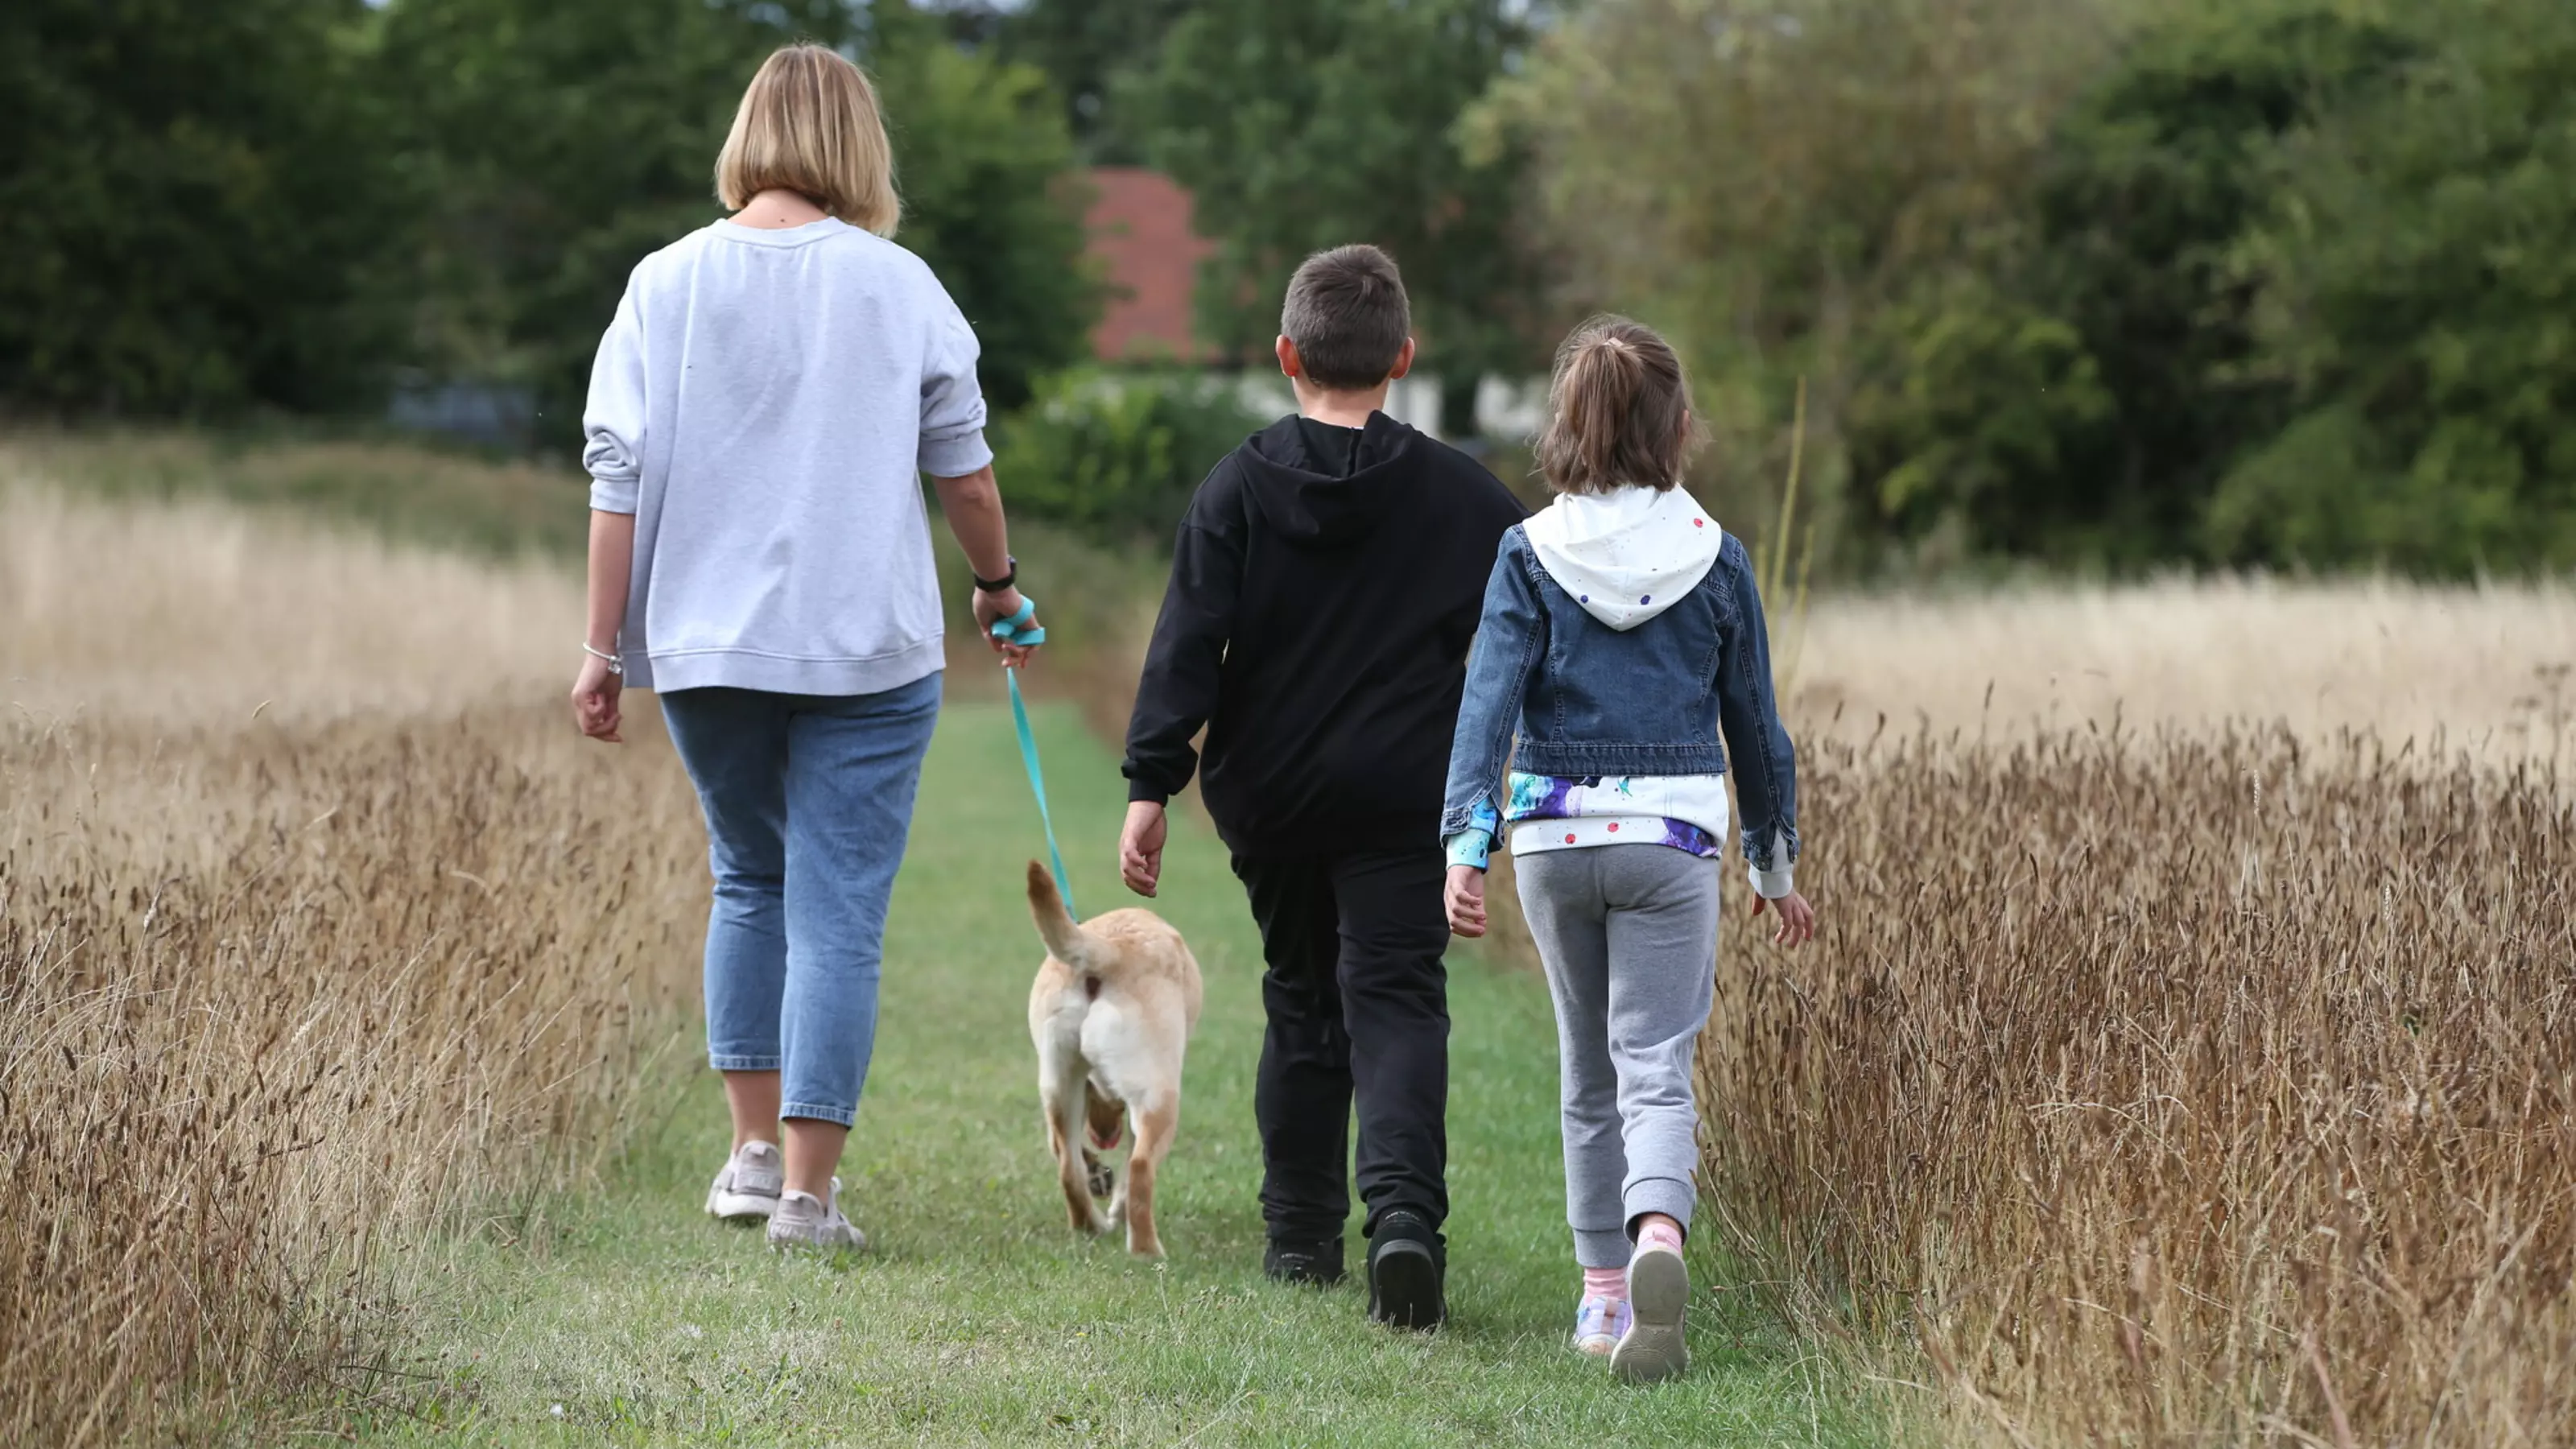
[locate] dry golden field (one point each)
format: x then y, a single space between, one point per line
2156 1080
2481 671
318 929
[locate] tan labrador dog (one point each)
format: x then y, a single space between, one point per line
1111 1013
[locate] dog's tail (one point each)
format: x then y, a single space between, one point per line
1067 942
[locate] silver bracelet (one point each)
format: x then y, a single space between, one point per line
614 663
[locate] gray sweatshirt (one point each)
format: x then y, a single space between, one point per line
764 404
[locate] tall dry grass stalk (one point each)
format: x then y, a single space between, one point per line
2190 1090
282 987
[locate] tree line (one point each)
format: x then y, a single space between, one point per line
2102 283
2108 283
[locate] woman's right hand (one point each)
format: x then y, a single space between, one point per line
991 606
595 694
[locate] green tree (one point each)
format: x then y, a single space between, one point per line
1300 127
1825 190
993 202
2418 278
568 138
197 207
2081 398
1087 47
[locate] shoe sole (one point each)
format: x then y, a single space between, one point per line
1658 1292
740 1207
1405 1286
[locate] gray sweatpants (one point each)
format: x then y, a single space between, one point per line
1629 937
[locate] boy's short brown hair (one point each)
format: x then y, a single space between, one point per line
1348 317
809 123
1618 411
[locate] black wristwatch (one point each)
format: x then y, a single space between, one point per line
1008 580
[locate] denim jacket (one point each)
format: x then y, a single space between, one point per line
1584 699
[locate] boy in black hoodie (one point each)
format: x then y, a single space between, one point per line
1325 585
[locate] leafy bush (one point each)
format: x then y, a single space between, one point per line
1117 456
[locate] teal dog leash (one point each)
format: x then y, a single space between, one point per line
1018 632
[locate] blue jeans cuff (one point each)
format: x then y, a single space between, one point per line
725 1062
819 1112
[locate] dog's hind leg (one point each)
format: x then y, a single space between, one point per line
1103 1112
1061 1089
1158 1120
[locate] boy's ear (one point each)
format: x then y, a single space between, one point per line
1403 361
1286 351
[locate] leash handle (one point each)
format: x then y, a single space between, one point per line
1037 782
1016 630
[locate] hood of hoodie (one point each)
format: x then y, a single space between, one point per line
1302 502
1628 555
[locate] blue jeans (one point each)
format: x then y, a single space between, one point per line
808 799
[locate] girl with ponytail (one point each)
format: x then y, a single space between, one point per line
1620 667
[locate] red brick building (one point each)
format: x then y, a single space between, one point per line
1140 230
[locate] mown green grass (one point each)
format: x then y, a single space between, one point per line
620 1315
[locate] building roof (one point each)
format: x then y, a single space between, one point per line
1140 233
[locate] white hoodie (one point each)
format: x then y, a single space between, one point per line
1627 555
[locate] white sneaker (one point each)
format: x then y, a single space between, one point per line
805 1221
749 1185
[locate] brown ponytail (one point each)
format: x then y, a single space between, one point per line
1619 411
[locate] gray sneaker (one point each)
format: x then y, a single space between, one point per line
1658 1291
805 1221
748 1187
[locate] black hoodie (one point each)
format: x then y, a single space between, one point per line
1317 625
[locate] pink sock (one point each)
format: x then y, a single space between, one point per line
1611 1283
1659 1234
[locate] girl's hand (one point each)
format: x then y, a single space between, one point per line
594 700
1466 899
1797 919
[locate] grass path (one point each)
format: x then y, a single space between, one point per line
628 1318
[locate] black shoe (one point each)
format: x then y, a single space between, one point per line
1317 1263
1406 1263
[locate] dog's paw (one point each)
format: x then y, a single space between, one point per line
1150 1250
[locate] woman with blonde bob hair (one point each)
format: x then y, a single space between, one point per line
762 407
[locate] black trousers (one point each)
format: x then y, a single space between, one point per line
1358 1003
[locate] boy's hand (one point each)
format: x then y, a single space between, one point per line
1140 846
1466 898
1797 919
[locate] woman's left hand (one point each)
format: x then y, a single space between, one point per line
595 695
992 606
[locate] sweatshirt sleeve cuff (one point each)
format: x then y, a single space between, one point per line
1772 885
1147 792
613 495
1471 848
955 457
